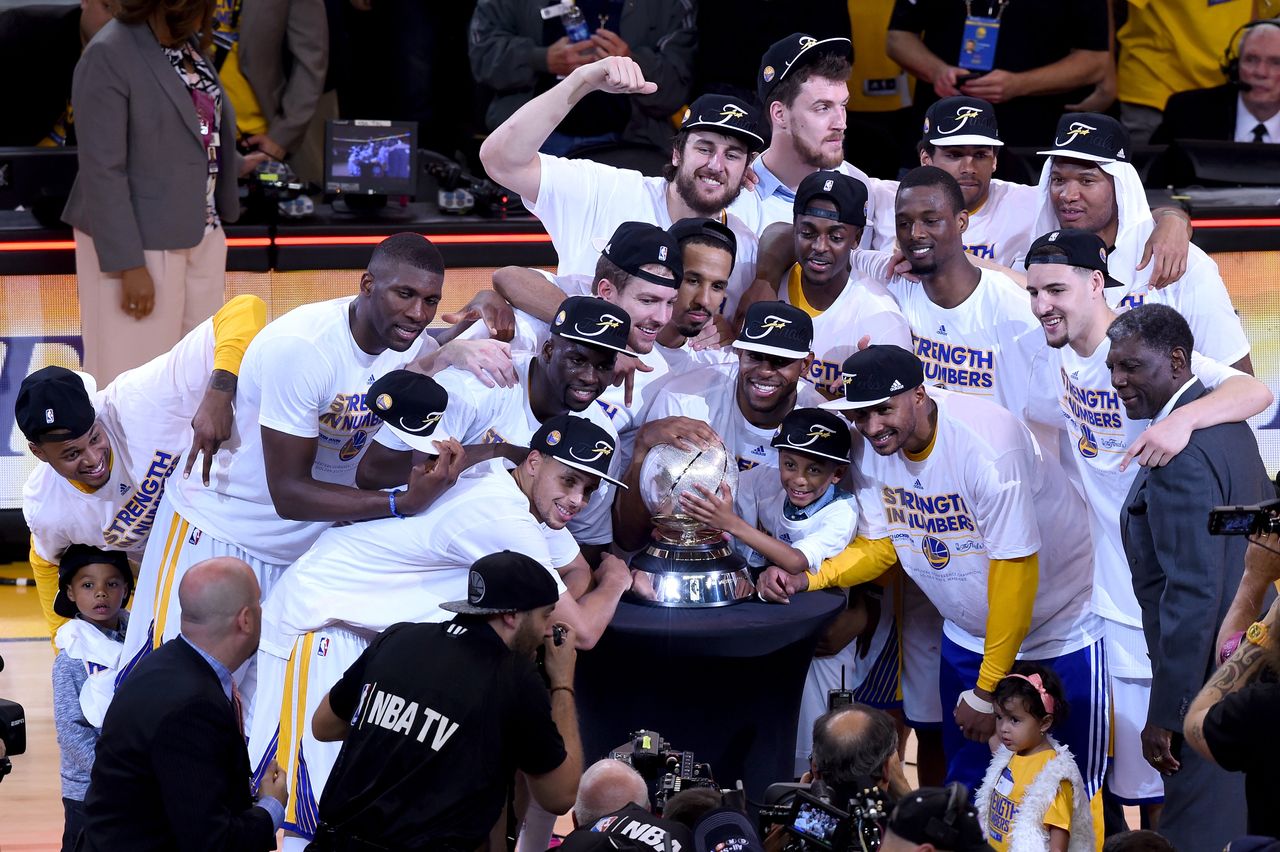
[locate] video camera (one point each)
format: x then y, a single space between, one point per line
666 770
13 731
1260 518
488 199
819 819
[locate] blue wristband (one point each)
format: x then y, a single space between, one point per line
391 499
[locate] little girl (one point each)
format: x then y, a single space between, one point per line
1033 798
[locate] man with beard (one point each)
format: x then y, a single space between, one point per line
956 489
428 755
360 579
579 201
1067 281
567 374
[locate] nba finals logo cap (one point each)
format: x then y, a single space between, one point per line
593 322
638 244
707 228
727 115
578 443
506 582
961 121
848 194
411 405
776 328
1090 136
875 374
814 432
793 52
1072 247
55 399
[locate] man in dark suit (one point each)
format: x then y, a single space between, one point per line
172 771
1245 110
1184 578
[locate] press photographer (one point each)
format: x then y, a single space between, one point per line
13 731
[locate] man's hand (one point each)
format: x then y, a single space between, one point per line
945 82
1158 443
560 660
683 432
1156 748
251 161
610 43
137 292
899 265
995 86
777 586
498 315
761 290
618 75
427 485
1167 247
273 784
624 375
213 422
974 724
613 574
716 334
713 508
563 56
1262 558
264 143
487 360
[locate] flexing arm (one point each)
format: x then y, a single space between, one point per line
528 290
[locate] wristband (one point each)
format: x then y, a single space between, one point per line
568 689
391 501
1229 647
970 697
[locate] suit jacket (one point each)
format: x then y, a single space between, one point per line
39 46
1199 114
142 162
284 54
172 771
1183 577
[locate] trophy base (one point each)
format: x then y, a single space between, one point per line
702 574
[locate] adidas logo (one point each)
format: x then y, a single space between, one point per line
124 489
942 329
758 451
372 379
1075 374
1120 154
455 630
896 386
918 485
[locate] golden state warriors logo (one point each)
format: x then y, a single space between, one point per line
963 117
768 73
772 322
354 445
731 111
553 437
383 402
607 322
817 433
601 449
1077 128
559 319
936 552
1088 443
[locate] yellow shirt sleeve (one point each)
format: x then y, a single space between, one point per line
1011 595
862 561
1059 813
234 326
46 574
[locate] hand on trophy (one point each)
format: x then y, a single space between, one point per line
683 432
711 508
777 586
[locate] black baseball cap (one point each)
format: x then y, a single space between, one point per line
941 816
847 193
725 829
55 399
877 373
637 244
961 121
506 582
814 432
710 228
593 322
411 405
1074 247
793 52
776 328
1090 136
76 557
578 443
727 115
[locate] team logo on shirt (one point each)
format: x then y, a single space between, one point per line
1088 443
354 445
773 322
936 552
1077 128
963 115
607 322
602 448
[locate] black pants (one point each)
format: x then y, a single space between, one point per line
73 823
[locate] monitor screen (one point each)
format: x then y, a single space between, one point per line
371 157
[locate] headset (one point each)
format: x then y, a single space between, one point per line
945 833
1231 56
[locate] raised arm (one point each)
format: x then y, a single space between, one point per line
528 290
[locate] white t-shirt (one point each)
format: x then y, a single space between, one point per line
1002 229
580 201
760 501
303 375
984 492
710 394
373 574
864 307
771 202
482 415
146 416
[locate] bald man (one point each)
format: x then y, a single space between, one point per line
614 799
172 768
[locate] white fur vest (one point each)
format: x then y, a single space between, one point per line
1029 833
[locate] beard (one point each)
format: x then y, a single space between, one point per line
815 156
527 639
687 189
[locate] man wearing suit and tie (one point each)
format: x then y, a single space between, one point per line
172 770
1184 578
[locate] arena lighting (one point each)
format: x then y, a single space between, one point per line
438 239
70 245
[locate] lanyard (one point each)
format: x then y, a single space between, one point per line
998 11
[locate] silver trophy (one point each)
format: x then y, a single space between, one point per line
687 564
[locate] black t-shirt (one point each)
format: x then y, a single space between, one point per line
1241 733
631 827
442 715
1033 33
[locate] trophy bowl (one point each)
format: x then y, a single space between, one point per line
687 564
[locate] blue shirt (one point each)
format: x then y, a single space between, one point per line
770 184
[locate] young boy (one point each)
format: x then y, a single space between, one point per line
93 588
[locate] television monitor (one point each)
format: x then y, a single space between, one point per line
366 157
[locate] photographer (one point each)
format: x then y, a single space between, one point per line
855 747
935 819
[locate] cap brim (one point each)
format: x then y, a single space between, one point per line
1079 155
63 606
970 139
421 443
593 341
841 46
849 404
586 468
809 451
464 608
752 346
754 140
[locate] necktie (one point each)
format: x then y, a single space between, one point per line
238 706
1259 132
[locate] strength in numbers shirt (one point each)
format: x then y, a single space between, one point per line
429 752
710 394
